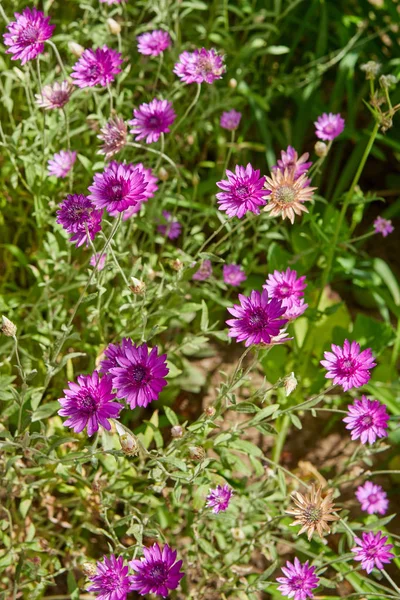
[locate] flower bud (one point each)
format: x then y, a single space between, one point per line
113 26
163 174
289 383
129 444
321 149
237 534
232 83
177 431
138 287
76 49
89 569
197 453
371 69
8 327
210 411
177 265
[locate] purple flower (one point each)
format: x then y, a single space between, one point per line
285 286
78 216
118 187
153 43
151 188
329 126
200 66
348 366
230 120
367 420
204 272
242 192
27 34
102 260
111 581
89 403
218 499
372 498
139 375
55 95
290 160
97 67
383 226
233 274
258 318
294 309
112 352
172 229
372 551
151 120
158 572
61 163
299 582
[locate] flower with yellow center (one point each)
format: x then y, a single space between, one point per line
313 512
287 194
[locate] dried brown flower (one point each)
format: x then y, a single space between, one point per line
312 511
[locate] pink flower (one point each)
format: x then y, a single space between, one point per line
157 572
27 34
101 262
97 67
153 43
171 228
348 366
149 192
372 498
242 192
233 275
61 163
79 217
383 226
55 95
118 187
329 126
200 66
285 286
151 120
230 120
218 499
299 581
112 580
290 160
373 551
367 420
204 272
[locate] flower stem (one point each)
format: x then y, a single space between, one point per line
189 109
59 59
229 153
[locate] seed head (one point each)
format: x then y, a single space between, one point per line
8 327
197 453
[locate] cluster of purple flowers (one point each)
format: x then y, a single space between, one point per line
290 290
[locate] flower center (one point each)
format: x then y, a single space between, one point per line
312 513
297 583
139 373
154 122
347 366
94 71
158 573
329 128
372 498
29 35
115 191
286 194
367 420
284 291
205 65
87 403
242 191
59 98
258 319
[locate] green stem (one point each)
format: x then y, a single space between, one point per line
160 62
188 110
208 240
229 153
284 423
60 62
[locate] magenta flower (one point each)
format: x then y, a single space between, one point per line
242 192
329 126
233 274
97 67
112 352
285 286
218 499
61 163
89 403
372 498
172 228
367 420
151 188
140 375
290 160
111 581
55 95
258 318
118 187
348 366
383 226
151 120
98 257
78 216
373 551
27 34
157 572
153 43
299 581
200 66
294 309
230 120
204 272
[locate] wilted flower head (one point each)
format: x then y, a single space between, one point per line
372 498
99 260
200 66
218 499
151 120
329 126
97 67
242 192
204 272
79 217
373 551
371 69
27 34
258 318
61 163
154 42
299 581
348 366
55 95
312 511
113 134
158 572
230 120
139 375
7 327
383 226
111 581
118 187
290 160
367 420
89 403
387 81
289 383
287 194
138 287
233 275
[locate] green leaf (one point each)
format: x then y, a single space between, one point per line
45 411
204 316
385 273
263 414
171 416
